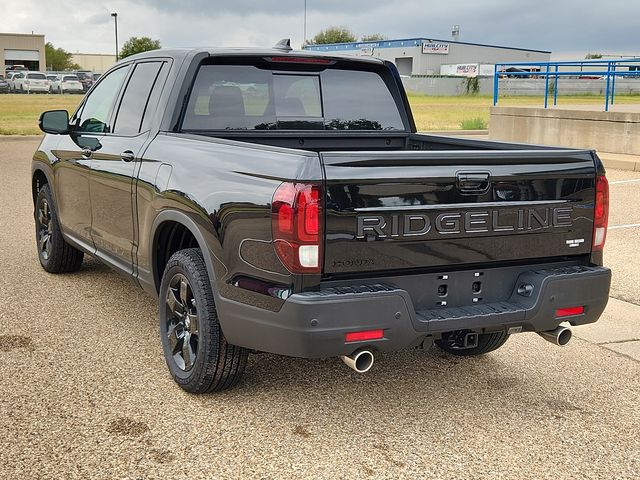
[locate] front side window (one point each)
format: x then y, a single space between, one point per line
94 116
251 97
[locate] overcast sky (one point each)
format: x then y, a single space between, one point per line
566 27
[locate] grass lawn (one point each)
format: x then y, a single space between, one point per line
19 113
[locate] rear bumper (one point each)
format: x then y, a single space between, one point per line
314 324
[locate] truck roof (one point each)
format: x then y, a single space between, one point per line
181 53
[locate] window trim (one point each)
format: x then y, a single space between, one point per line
123 91
78 113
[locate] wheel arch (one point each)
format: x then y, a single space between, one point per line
39 178
166 226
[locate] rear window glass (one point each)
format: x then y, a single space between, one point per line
37 76
70 78
246 97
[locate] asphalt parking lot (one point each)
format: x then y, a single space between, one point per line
84 391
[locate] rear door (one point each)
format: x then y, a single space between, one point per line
113 167
415 210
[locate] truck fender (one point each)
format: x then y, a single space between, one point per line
186 221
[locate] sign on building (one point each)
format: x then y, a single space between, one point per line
467 70
366 51
435 48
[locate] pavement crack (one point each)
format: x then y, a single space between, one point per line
626 340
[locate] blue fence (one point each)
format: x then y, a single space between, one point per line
552 71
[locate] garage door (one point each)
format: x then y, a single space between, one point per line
405 65
22 55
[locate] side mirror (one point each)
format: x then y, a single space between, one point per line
54 121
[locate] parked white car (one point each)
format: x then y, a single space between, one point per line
32 82
12 77
66 83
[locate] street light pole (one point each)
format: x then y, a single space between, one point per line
304 40
115 20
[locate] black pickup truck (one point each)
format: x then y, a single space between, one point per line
281 201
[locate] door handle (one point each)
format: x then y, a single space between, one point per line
473 182
127 156
87 152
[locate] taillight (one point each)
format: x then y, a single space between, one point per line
600 213
296 226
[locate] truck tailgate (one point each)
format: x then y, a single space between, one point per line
418 209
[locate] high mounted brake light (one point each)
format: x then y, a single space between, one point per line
296 226
316 61
600 213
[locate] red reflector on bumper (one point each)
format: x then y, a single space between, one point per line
364 335
566 312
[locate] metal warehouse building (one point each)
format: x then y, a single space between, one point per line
22 49
426 56
96 62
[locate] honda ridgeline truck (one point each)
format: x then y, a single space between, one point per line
282 201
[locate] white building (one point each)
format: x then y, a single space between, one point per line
426 56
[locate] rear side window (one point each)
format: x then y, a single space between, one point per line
135 99
247 97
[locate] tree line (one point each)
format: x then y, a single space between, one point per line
60 60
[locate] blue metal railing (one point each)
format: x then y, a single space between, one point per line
608 69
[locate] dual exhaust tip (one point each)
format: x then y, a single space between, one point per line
361 360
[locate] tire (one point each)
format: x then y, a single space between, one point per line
55 254
487 342
188 311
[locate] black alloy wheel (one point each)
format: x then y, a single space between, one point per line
182 321
198 355
44 228
54 253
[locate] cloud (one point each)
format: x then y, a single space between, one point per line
559 26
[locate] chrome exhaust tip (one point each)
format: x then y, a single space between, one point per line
560 336
361 360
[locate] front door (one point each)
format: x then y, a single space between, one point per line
74 153
113 169
71 172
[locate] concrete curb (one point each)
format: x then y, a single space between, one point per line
620 161
17 138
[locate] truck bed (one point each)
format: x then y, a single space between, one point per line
359 141
416 202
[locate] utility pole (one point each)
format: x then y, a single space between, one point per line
115 20
304 35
